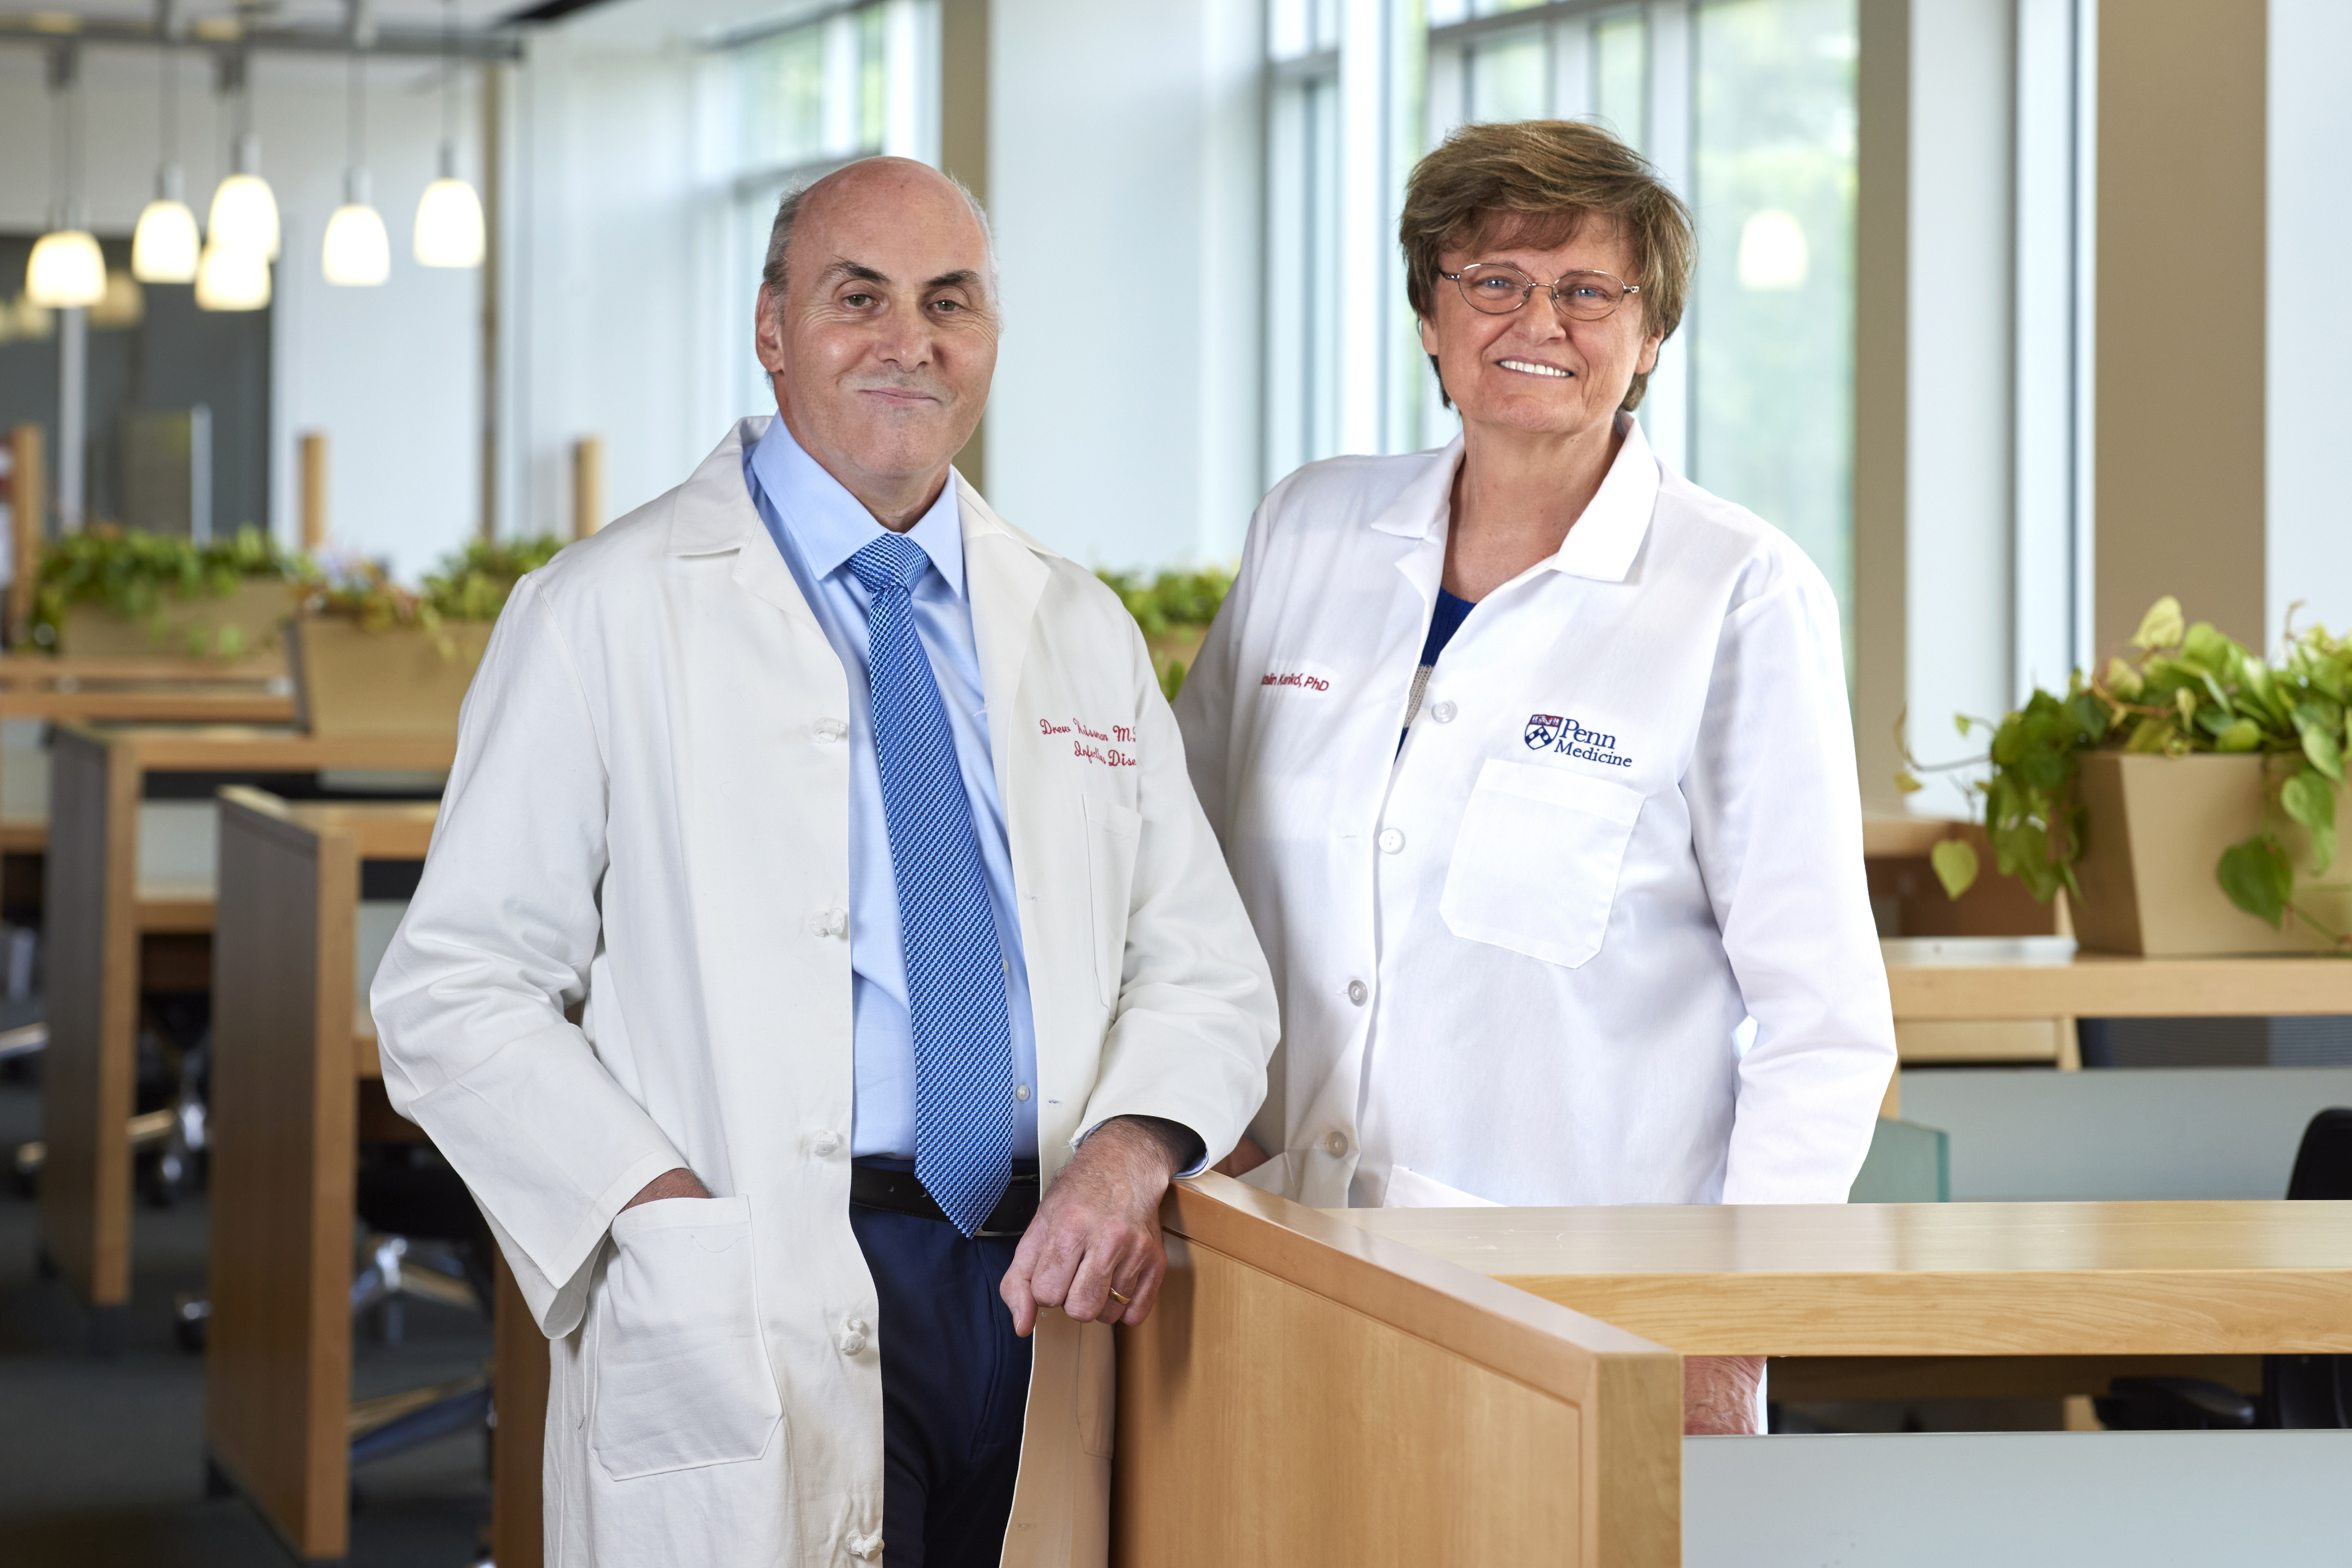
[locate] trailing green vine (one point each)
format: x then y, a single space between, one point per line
469 586
141 576
2187 689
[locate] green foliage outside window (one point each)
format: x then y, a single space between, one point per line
1173 609
2188 690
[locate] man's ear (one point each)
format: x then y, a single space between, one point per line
767 330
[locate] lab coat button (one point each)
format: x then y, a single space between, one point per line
1391 840
828 731
826 1143
1357 992
865 1548
853 1334
1443 712
1337 1144
1020 1091
829 923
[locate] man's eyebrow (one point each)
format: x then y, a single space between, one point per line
857 269
961 277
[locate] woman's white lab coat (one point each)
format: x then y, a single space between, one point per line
1599 934
649 811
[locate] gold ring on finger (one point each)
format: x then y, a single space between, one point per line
1122 1300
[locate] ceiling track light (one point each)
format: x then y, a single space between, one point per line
65 271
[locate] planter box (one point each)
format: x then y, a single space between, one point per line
184 627
2157 825
400 681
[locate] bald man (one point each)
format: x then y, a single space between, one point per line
848 823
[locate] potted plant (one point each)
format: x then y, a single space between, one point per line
109 592
2186 798
370 658
1174 609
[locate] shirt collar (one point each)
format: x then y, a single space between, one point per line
1604 540
830 525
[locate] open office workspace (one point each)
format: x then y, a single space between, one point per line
944 782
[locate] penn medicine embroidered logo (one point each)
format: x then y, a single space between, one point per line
1566 738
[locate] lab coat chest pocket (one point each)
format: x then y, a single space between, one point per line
1113 833
682 1375
1534 866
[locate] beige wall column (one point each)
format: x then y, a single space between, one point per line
2178 377
963 144
1882 296
314 490
587 486
28 491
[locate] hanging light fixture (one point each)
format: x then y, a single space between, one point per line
230 278
449 217
357 252
65 271
164 247
244 210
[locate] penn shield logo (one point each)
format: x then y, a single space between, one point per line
1566 738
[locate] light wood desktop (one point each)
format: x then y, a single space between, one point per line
97 912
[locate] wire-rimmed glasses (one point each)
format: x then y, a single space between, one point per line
1497 288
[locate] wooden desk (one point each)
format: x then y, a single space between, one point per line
144 691
1311 1392
1935 1280
1992 998
291 1048
96 913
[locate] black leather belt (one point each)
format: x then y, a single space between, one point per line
897 1192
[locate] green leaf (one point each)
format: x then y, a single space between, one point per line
1905 780
2161 627
2310 800
2245 735
2326 753
2257 877
1960 722
2123 680
1955 861
2210 648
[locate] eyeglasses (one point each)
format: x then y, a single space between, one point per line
1497 288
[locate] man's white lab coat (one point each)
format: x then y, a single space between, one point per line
648 820
1599 932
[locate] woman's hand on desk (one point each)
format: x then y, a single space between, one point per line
1246 1157
1722 1396
679 1182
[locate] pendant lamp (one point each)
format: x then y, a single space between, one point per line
244 210
357 252
65 271
449 216
163 248
231 278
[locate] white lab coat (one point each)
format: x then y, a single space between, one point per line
1517 960
649 819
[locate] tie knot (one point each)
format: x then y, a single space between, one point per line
894 560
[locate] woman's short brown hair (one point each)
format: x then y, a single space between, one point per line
1534 183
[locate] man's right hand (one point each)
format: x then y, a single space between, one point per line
679 1182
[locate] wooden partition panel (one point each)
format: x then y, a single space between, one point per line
1301 1397
517 1447
88 1076
279 1353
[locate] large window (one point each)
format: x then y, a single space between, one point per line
1747 107
812 96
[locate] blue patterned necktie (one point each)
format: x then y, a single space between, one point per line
955 969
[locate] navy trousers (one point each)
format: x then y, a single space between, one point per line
955 1386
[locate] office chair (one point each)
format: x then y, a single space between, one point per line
2299 1392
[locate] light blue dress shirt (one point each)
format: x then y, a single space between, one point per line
818 525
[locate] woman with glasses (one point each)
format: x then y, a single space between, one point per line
1532 761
